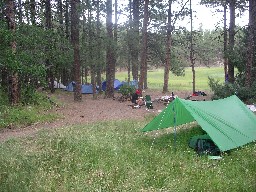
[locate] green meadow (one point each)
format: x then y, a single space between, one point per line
180 83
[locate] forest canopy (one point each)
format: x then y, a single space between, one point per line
81 40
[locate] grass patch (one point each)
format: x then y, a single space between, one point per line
115 156
25 115
20 116
181 83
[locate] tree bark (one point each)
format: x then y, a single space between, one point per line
91 57
110 60
135 39
13 74
67 23
75 43
232 8
20 12
225 38
27 11
48 25
33 12
144 48
99 45
250 44
168 49
192 59
129 45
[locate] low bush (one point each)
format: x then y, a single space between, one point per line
248 95
127 90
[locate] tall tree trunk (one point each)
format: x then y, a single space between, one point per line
250 44
63 72
91 48
225 38
231 74
48 25
168 49
110 61
20 12
254 39
129 45
33 12
192 59
144 47
99 45
115 39
66 15
3 69
13 75
135 40
75 42
60 14
27 11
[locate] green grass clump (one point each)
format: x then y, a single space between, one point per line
20 116
116 156
24 115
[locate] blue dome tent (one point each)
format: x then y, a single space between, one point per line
117 85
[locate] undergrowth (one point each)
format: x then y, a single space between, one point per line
25 114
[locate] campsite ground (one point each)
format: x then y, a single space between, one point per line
90 110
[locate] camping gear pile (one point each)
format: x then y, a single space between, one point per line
203 145
166 99
197 96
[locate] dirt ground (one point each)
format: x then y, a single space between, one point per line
90 110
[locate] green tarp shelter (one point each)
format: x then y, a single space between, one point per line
228 122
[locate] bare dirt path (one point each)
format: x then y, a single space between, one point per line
87 111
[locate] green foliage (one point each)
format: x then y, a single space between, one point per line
34 46
127 90
157 51
115 156
4 98
221 90
247 94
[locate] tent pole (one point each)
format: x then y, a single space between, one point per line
174 122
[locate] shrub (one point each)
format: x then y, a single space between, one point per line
127 90
221 90
246 94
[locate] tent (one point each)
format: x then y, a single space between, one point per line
133 83
70 86
228 122
85 89
59 85
117 85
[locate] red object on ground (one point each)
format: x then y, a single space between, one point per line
138 92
